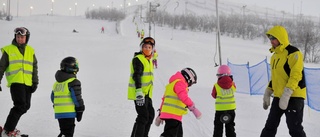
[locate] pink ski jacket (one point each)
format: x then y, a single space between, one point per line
181 89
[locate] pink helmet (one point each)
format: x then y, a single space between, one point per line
224 70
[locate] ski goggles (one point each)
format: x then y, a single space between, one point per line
21 31
221 75
271 37
148 41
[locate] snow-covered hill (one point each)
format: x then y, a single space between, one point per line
104 72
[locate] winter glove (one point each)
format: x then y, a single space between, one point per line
266 98
34 87
79 111
195 111
0 88
284 99
158 121
139 97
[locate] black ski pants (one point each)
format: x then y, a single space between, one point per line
294 118
172 128
66 127
21 97
144 119
218 125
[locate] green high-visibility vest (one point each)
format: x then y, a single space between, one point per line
146 79
225 99
172 104
62 97
20 67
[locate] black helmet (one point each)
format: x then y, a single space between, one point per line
189 75
69 65
22 31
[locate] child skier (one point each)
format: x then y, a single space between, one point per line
175 102
140 87
223 91
154 59
66 97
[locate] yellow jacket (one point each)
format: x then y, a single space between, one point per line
286 66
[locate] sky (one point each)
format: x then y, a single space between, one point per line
104 61
69 7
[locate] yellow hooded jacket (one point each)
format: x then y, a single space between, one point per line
286 66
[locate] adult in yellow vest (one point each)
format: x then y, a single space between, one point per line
223 91
176 102
66 96
287 85
141 87
19 64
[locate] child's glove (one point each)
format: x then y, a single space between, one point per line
158 121
266 98
139 97
284 99
79 111
195 111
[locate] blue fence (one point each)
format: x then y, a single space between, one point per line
254 79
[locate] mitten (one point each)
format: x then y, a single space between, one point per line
34 87
284 99
158 121
195 111
79 111
79 116
139 97
266 98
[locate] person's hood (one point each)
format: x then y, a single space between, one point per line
281 34
225 82
176 76
63 76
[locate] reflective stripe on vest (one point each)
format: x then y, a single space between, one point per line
172 104
146 79
225 99
63 102
20 66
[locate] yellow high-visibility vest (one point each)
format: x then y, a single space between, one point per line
146 79
20 67
62 101
172 104
225 99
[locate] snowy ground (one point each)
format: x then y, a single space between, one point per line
104 72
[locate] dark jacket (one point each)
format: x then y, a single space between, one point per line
138 70
74 87
4 63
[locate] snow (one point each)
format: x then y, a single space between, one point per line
104 73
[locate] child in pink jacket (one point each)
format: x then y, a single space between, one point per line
176 102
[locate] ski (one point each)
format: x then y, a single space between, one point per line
23 135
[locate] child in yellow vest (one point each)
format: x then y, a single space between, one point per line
66 97
176 102
223 91
154 59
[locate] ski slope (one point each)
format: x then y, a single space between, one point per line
104 73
